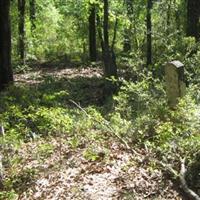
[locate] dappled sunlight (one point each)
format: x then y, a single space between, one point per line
37 76
99 100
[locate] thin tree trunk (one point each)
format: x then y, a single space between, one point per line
127 41
110 67
193 15
92 33
114 35
21 29
127 32
99 29
6 74
149 33
169 15
32 10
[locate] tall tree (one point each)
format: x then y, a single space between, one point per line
92 33
169 5
6 74
110 66
149 32
193 16
32 11
21 29
127 31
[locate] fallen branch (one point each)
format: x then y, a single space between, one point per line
105 123
181 176
2 130
168 168
184 184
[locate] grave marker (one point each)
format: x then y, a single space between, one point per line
175 85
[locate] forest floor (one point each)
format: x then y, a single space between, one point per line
64 166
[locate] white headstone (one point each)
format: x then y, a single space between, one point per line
175 85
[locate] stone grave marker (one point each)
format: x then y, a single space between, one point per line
175 84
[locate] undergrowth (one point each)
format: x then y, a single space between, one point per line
139 114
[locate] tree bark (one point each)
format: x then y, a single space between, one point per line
21 29
193 15
169 5
110 67
32 10
92 34
127 32
6 74
149 33
99 29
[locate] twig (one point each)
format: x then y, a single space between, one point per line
2 130
168 168
105 123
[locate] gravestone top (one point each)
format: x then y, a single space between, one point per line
176 63
175 85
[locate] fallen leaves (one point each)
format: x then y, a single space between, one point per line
115 176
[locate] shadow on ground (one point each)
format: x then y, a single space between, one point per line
49 88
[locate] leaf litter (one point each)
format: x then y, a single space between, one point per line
65 173
115 176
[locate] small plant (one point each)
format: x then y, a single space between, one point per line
8 195
74 142
45 150
17 183
90 154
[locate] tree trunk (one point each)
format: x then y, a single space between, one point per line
99 29
92 34
169 5
32 10
110 67
127 41
21 29
6 74
193 15
149 33
127 31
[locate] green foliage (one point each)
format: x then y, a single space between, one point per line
44 150
166 131
11 195
137 98
32 114
139 113
74 142
22 181
90 154
52 120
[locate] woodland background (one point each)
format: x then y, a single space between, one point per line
83 107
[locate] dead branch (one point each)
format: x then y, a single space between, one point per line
168 168
2 130
184 184
106 124
181 176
